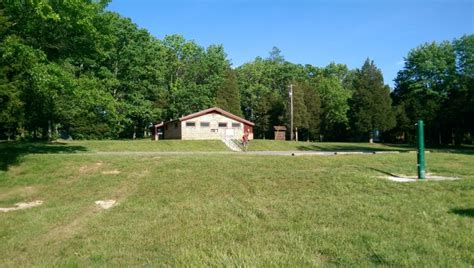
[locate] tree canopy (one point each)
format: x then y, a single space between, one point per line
72 68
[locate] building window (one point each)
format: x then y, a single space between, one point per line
205 124
235 124
223 124
190 124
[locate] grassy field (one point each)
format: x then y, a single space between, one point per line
142 145
272 145
214 210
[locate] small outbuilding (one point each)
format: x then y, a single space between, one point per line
210 124
157 131
280 132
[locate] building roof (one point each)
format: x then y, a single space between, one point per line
279 128
216 110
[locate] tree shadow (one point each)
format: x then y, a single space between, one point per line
384 172
468 150
380 147
354 147
465 212
11 153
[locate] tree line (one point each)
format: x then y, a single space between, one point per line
74 68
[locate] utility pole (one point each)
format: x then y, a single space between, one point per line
291 111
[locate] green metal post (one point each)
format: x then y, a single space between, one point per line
421 151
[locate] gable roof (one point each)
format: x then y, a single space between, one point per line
279 128
216 110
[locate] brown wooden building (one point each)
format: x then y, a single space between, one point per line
280 132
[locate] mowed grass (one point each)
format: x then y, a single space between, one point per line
214 210
141 145
273 145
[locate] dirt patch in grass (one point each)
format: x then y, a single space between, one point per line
22 205
111 172
89 168
106 204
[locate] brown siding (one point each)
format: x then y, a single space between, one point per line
172 130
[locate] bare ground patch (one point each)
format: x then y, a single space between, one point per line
428 177
22 205
111 172
90 168
106 204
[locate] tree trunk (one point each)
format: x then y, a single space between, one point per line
49 130
453 137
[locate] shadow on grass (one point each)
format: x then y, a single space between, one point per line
354 147
12 152
378 147
384 172
465 212
465 149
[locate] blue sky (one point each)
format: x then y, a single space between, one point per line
313 32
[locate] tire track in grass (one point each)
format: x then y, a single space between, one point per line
79 221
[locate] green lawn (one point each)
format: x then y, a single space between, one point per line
142 145
239 210
272 145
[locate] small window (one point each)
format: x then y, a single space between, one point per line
235 124
205 124
190 124
223 124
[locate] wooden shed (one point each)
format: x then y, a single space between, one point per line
280 132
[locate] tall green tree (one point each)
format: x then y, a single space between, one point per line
425 85
17 62
313 106
334 108
300 112
461 103
370 105
228 94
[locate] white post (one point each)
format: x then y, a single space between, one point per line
291 111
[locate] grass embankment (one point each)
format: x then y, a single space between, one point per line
272 145
113 146
12 152
152 146
236 210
